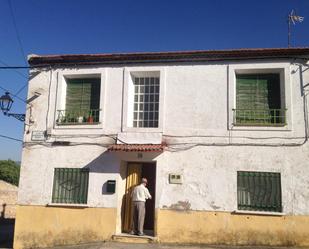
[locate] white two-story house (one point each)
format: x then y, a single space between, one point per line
221 137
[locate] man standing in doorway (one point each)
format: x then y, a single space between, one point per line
139 196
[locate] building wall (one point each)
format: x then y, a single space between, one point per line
8 199
202 145
196 227
38 226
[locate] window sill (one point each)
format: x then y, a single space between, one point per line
73 124
143 129
97 125
258 213
244 127
258 125
67 205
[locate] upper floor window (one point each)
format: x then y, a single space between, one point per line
258 100
146 101
82 101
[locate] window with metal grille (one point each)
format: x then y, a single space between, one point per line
146 102
258 100
259 191
70 185
82 103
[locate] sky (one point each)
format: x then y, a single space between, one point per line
99 26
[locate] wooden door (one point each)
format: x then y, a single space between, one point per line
133 179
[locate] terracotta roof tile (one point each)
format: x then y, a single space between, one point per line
137 147
158 57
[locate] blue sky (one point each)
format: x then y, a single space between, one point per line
98 26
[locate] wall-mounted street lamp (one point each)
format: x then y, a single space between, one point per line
6 103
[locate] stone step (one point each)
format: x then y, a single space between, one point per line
128 238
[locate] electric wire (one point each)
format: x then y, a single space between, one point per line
17 32
18 67
22 88
11 138
4 89
16 71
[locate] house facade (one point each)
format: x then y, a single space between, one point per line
221 137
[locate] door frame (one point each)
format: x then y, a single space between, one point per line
142 163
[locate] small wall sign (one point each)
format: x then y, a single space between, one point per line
38 136
175 179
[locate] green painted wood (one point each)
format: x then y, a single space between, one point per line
258 99
82 95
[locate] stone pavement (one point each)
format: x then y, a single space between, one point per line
118 245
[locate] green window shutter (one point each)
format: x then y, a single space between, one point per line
259 191
82 96
70 186
258 99
95 94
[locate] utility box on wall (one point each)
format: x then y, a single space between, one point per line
175 179
111 186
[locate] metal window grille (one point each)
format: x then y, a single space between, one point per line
259 191
70 185
146 102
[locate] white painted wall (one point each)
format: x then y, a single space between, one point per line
195 122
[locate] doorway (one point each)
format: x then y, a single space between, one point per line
135 172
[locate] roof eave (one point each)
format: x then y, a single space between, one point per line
168 57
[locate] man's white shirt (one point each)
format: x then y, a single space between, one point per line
140 193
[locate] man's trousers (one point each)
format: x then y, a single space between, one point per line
138 216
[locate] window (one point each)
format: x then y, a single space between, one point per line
258 100
70 185
82 102
146 102
259 191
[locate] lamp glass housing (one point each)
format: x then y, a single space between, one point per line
6 102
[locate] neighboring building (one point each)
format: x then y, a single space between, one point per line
8 199
220 135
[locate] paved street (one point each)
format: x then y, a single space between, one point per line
117 245
6 243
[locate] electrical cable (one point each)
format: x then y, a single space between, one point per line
4 89
17 32
11 138
16 71
19 73
19 67
22 88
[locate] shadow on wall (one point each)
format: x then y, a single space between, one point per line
3 211
7 229
106 163
109 163
115 163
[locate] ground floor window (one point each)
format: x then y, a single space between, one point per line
259 191
70 185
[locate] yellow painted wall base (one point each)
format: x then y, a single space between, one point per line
232 229
39 226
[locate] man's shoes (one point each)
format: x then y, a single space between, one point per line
133 233
140 234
